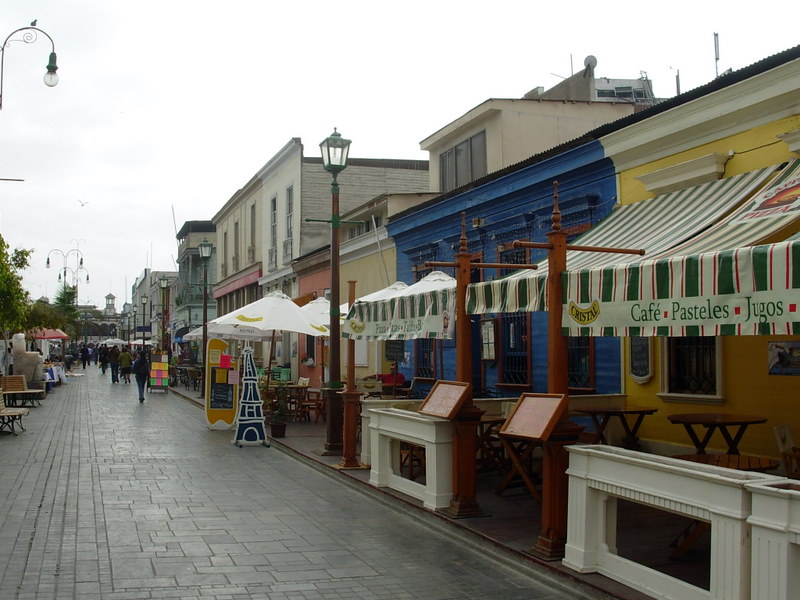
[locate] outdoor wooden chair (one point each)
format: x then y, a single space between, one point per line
10 417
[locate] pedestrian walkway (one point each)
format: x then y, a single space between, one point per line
107 498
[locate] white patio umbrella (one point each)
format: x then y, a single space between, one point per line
262 318
319 311
114 342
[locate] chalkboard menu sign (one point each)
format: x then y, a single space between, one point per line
393 350
221 390
640 358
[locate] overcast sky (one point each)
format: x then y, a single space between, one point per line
165 108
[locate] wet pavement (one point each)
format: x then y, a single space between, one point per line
104 497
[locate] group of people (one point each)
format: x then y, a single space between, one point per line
121 363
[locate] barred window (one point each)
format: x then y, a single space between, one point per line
692 365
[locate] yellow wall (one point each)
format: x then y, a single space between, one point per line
747 388
370 276
753 149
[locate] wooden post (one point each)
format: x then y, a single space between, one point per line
464 502
351 399
553 534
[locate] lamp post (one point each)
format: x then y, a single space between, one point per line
132 338
205 247
163 283
78 267
335 150
144 316
29 35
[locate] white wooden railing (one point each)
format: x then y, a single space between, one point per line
599 475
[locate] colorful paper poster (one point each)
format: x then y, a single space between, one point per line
221 376
233 377
225 361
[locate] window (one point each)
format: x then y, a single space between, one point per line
289 210
580 364
463 163
273 223
425 355
235 258
691 370
514 330
252 225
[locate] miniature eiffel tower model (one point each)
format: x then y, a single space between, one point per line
250 421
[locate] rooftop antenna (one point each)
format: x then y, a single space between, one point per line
716 53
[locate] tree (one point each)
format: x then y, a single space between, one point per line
42 314
64 305
14 300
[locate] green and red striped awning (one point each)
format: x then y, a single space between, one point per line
742 291
656 225
425 309
721 282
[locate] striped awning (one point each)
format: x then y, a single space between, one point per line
722 282
655 225
741 291
422 310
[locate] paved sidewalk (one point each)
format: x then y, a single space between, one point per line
104 497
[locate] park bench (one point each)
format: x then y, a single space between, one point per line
15 389
11 416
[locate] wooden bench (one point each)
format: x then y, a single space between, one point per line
15 389
10 417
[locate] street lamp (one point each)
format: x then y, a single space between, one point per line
78 267
132 338
334 150
163 283
29 35
144 316
205 247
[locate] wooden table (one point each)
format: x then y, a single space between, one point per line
714 421
601 416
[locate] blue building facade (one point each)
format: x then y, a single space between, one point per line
509 350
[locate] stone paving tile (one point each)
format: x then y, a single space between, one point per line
110 499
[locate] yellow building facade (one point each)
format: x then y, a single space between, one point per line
750 125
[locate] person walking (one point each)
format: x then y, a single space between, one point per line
125 362
103 352
141 368
113 362
86 356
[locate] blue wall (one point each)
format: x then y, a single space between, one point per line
516 205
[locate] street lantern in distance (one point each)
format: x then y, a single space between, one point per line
335 150
163 283
205 248
144 304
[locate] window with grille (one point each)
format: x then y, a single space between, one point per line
514 330
424 364
580 364
692 366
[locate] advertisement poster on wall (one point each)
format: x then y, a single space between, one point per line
784 358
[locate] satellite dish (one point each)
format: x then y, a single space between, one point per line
590 62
